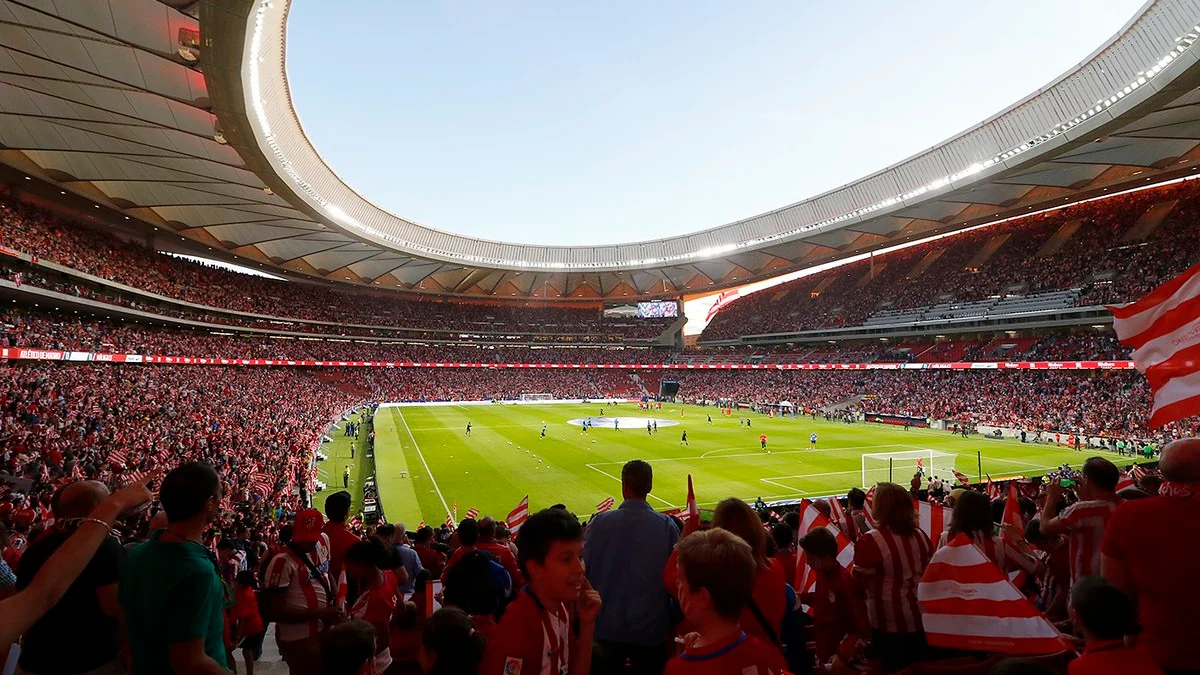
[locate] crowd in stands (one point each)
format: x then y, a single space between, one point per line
32 230
1039 253
759 591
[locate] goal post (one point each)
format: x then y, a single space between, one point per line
537 397
899 467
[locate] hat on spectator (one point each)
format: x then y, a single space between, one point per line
308 526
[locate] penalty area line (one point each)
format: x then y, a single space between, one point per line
423 462
601 471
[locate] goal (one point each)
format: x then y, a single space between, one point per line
537 397
899 467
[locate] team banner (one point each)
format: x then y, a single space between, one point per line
21 353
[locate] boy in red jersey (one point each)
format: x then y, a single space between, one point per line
534 637
716 577
840 626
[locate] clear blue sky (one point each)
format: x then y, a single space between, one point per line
596 122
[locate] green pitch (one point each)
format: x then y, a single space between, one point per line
425 461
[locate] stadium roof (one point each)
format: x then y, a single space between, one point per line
177 113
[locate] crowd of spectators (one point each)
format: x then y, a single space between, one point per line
1080 246
35 231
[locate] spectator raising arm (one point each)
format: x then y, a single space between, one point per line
21 610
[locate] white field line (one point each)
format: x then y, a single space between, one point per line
422 456
616 478
760 453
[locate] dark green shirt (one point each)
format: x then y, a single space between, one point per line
171 592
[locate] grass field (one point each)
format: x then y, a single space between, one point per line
425 462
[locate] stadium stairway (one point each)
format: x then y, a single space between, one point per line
842 405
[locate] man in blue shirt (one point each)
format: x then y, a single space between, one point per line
625 552
394 536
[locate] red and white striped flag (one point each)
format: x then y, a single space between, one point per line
968 603
1164 330
842 520
455 510
811 519
869 504
343 590
962 477
1124 482
605 505
934 519
1012 526
449 521
422 524
723 299
1138 473
518 516
992 490
117 458
472 513
692 511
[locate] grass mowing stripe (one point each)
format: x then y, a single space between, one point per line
398 411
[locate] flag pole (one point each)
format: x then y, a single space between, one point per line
890 470
979 464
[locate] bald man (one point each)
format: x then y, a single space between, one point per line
1150 552
79 635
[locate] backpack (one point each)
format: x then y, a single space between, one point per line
477 584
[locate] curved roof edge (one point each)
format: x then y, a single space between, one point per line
1158 34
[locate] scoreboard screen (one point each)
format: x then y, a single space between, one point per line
657 309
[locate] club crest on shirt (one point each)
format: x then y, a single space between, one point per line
512 666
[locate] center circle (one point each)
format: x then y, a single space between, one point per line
621 422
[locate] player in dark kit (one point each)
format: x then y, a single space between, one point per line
683 440
468 428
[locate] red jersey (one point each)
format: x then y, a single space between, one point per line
245 609
890 566
1085 523
1156 539
340 541
763 439
434 561
531 639
1112 658
740 654
838 613
770 594
378 604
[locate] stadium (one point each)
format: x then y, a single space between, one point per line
186 282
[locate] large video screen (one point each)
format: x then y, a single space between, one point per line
657 309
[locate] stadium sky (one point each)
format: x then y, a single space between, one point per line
578 123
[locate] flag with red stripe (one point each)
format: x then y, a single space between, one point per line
934 519
117 458
1124 482
968 603
449 521
811 519
722 300
842 520
693 510
1163 328
472 513
870 504
343 590
517 517
606 505
992 490
962 477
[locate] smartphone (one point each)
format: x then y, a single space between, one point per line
1067 483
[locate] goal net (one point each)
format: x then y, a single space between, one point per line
899 467
537 397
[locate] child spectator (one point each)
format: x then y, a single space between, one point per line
405 639
535 633
369 565
716 577
451 646
248 628
840 626
348 649
1105 616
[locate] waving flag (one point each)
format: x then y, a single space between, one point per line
455 509
968 603
692 511
472 513
518 516
1012 527
449 521
1124 482
117 458
962 477
722 300
992 490
605 505
869 504
1164 330
934 519
811 519
343 590
842 520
